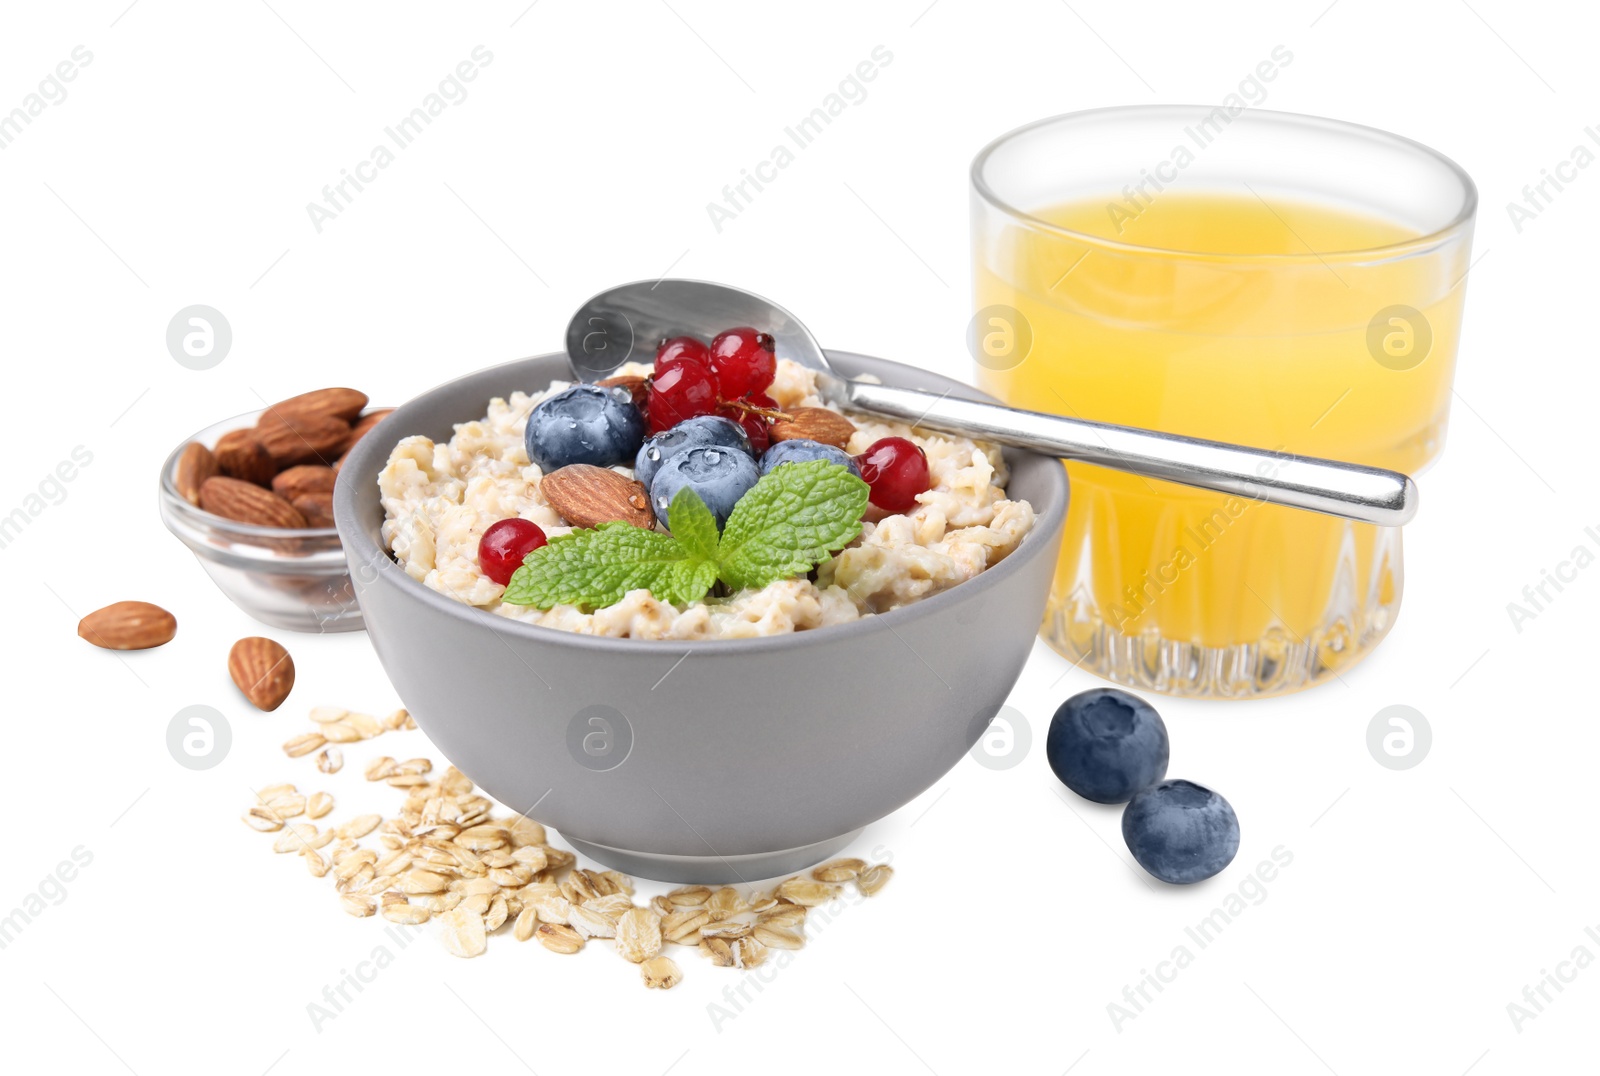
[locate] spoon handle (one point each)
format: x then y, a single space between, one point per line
1367 494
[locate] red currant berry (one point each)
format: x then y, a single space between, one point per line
756 427
677 348
504 544
743 361
685 390
897 471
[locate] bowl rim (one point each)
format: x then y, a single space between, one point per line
361 549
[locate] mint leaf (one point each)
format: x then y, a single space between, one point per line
692 579
783 526
596 568
693 525
789 521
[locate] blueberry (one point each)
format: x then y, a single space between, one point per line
1106 745
719 475
702 431
584 424
799 451
1181 832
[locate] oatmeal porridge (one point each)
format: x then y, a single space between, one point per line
439 499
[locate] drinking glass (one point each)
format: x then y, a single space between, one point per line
1274 280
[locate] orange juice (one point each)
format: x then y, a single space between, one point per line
1224 316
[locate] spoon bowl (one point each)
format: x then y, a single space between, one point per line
626 323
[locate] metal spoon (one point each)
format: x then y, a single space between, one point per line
627 322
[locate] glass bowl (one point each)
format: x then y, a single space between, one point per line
294 578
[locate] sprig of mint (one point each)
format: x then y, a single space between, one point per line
786 524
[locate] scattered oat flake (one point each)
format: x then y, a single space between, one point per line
806 893
660 973
611 906
303 744
263 820
638 935
689 895
783 915
483 838
463 934
295 838
421 881
725 902
776 937
839 870
558 938
749 953
551 907
591 924
874 878
364 724
728 929
360 825
498 912
684 923
402 911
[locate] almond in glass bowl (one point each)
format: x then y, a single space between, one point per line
250 497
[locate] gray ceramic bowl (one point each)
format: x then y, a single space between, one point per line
705 761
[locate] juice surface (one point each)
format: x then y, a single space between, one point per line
1241 321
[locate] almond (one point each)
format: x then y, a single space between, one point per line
813 424
302 438
587 496
306 478
342 404
195 465
364 424
245 503
240 454
128 626
263 670
316 507
638 388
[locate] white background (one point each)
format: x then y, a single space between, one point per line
177 170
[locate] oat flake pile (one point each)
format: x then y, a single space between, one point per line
445 857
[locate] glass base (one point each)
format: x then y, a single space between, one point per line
1278 663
